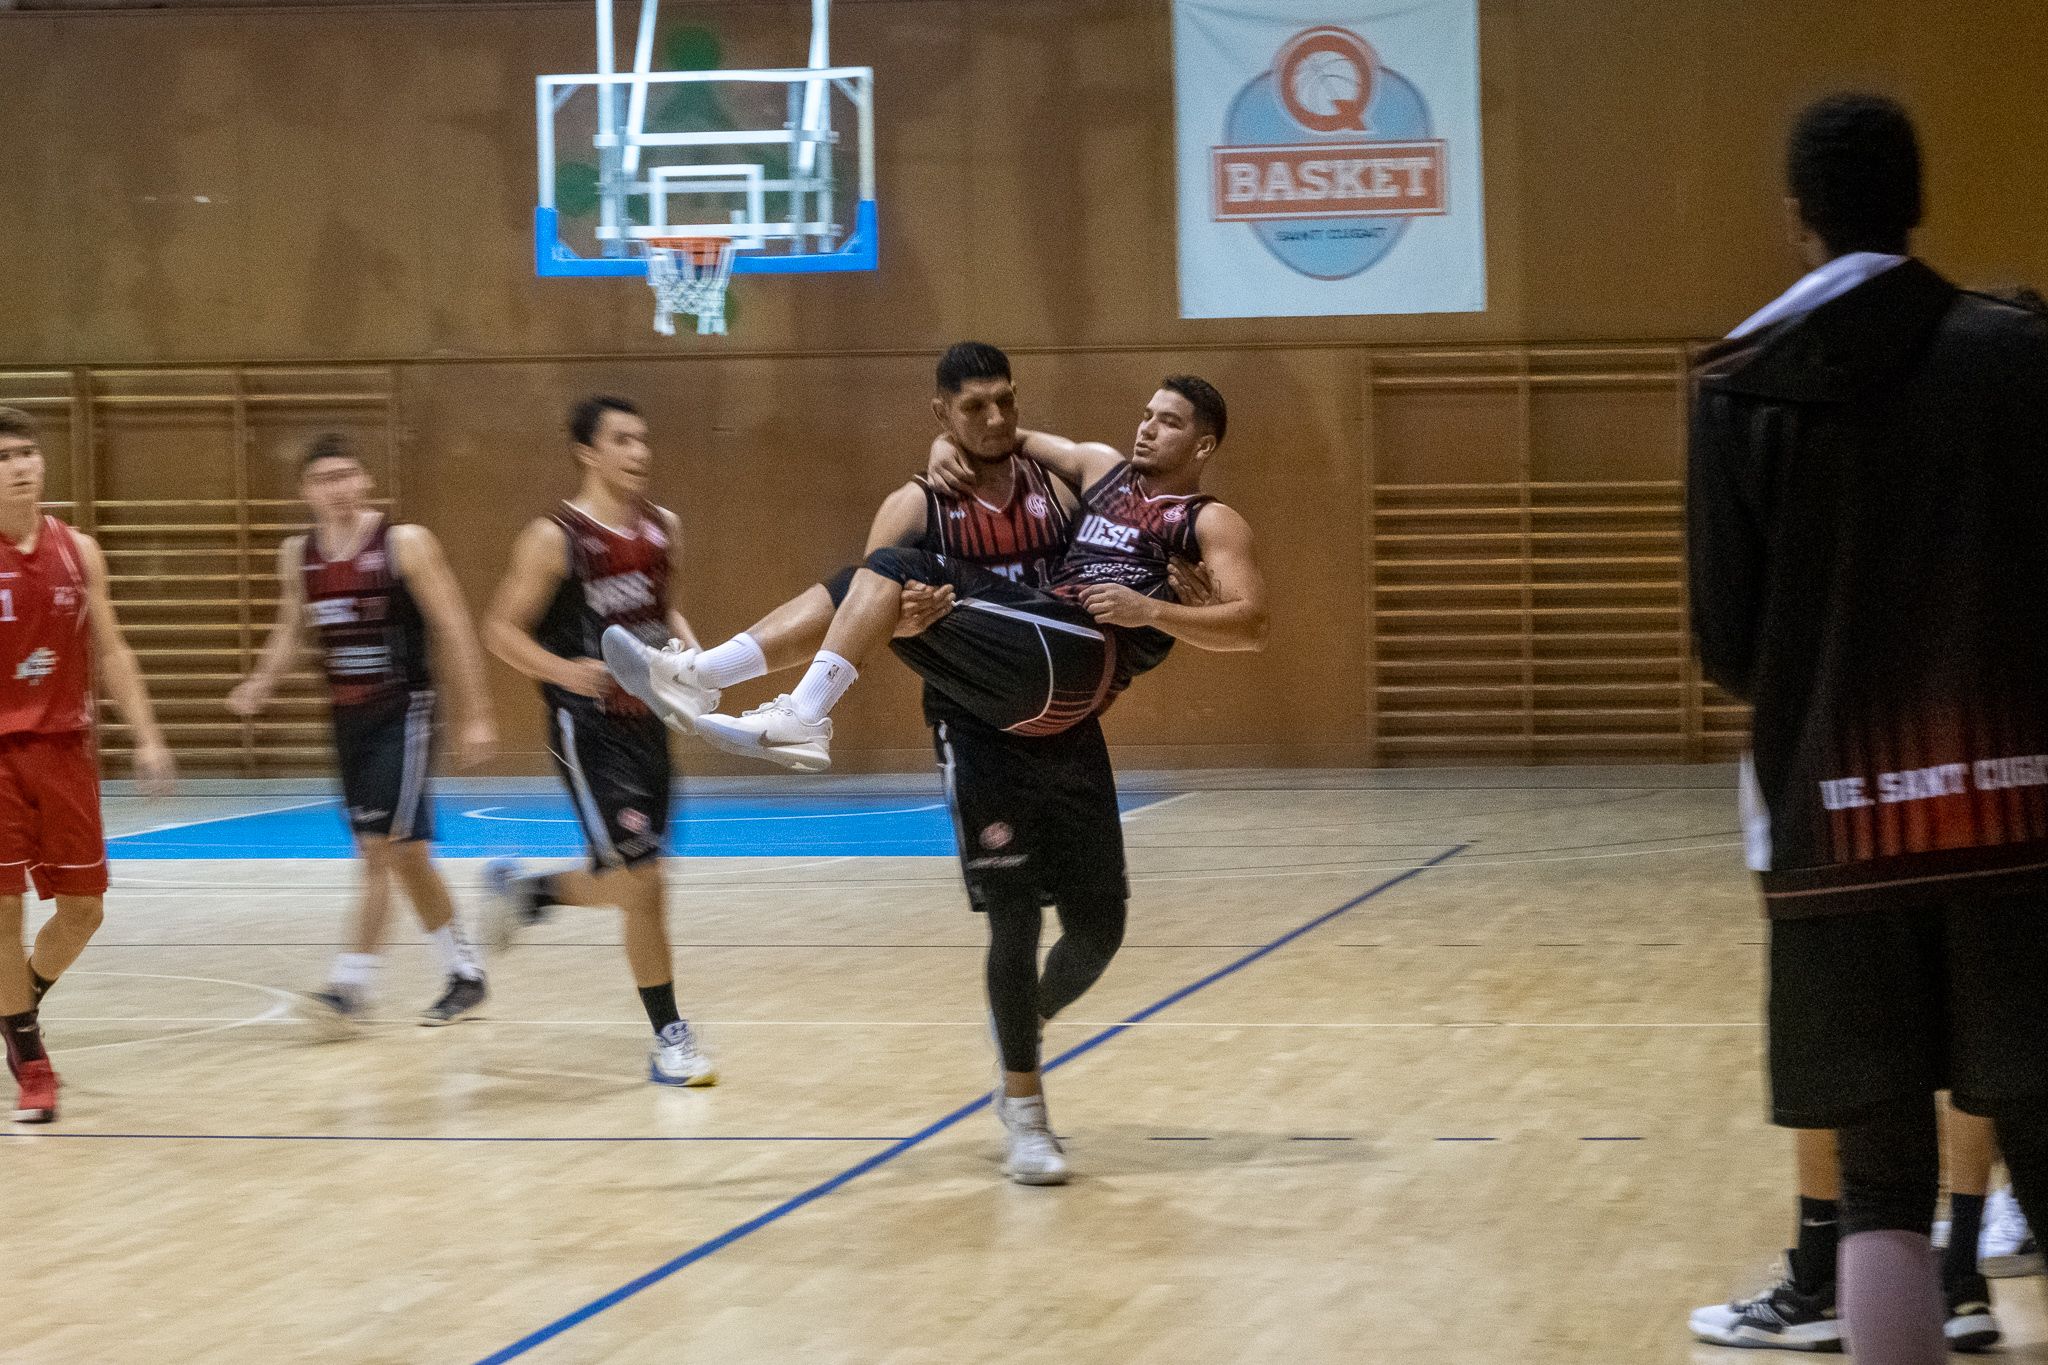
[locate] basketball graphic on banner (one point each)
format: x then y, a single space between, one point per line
1329 157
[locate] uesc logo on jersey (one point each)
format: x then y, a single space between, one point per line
1329 161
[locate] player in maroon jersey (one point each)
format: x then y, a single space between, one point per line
1035 809
599 561
56 625
374 594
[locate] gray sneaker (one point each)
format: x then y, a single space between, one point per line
465 994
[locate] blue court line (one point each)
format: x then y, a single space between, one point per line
810 1196
347 1137
1610 1139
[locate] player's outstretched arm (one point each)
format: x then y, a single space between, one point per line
424 566
1234 620
252 694
540 561
122 676
1075 463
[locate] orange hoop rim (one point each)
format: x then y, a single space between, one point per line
699 249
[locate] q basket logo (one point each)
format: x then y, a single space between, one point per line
1327 156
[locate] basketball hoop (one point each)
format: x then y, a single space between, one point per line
690 275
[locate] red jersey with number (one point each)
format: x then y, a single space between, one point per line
372 636
1023 540
45 635
618 576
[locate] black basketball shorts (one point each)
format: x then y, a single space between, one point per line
1035 816
385 751
620 781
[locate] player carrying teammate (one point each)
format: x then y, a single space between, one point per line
1049 800
56 624
598 561
1015 677
1038 661
374 592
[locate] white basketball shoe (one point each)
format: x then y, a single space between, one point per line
1032 1156
773 732
665 679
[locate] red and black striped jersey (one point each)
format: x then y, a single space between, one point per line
1128 536
617 577
373 640
1023 540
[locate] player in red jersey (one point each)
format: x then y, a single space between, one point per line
598 561
56 624
374 593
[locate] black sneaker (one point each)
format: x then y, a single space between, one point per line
1970 1326
335 1014
1785 1317
458 1002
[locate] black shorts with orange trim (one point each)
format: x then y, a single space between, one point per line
1013 657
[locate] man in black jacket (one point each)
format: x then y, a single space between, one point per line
1868 527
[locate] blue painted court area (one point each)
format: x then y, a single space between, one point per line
900 826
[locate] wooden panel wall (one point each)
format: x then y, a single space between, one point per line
1470 520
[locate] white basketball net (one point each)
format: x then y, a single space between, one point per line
685 282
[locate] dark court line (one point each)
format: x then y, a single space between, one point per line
820 1190
372 1137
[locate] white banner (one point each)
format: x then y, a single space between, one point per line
1329 157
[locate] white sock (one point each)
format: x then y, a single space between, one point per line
822 687
457 957
354 973
738 660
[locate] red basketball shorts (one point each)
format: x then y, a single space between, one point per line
50 830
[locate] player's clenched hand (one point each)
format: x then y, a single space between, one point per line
587 678
1113 604
950 468
155 770
474 745
923 604
1192 583
249 697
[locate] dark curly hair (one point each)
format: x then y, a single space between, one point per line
1853 163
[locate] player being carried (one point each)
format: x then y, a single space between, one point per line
56 626
373 593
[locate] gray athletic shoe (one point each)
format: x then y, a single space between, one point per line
335 1014
465 994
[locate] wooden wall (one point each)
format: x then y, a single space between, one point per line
1470 520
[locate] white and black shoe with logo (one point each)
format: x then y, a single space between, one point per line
675 1059
773 732
1785 1317
665 680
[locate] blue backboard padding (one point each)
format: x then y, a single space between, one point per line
553 259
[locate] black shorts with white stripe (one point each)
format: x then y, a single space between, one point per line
619 778
1011 656
386 751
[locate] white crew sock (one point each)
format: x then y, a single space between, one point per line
738 660
822 687
354 973
457 957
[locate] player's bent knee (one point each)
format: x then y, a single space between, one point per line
900 565
838 585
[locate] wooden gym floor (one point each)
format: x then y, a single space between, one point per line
1451 1066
